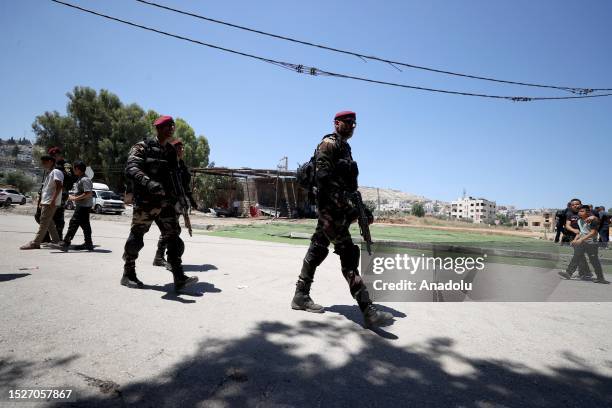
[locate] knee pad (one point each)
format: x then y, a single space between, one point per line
316 255
349 256
176 247
133 245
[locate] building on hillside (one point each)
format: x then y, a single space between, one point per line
508 211
395 205
477 210
543 220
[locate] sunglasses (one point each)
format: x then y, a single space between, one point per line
350 122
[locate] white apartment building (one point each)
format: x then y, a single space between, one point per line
478 210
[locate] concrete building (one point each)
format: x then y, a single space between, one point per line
478 210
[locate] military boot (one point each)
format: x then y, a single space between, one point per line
180 279
373 317
302 300
159 260
129 278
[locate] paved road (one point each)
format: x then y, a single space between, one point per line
233 340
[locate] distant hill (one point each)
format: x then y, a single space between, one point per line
370 194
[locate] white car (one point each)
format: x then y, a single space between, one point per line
9 196
106 201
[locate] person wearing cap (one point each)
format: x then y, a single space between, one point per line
149 167
50 198
336 178
58 217
68 184
185 176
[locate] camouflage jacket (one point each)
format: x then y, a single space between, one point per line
336 172
150 161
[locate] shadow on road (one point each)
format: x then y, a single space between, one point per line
83 251
199 268
196 290
17 373
5 277
352 313
270 366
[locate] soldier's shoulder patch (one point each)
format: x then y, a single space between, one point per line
327 144
138 148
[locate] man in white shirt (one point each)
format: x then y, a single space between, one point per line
49 200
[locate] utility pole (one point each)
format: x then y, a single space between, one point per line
278 169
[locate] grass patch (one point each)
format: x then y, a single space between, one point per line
274 231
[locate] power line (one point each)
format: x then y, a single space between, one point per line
302 69
574 90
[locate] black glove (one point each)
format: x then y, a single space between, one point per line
155 188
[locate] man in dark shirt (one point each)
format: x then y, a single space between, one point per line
571 230
561 218
604 227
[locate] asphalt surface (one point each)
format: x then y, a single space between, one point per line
233 340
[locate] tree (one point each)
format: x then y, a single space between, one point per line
370 205
19 180
418 210
207 187
503 218
53 129
100 130
15 151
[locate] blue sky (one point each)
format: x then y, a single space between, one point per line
527 154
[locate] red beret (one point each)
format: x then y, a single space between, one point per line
345 115
54 150
162 120
176 142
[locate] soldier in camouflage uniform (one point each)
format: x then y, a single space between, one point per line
162 244
336 178
149 167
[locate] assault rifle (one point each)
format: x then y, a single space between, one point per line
183 200
362 219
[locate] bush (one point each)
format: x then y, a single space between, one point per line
23 183
418 210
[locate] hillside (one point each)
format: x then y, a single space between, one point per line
369 194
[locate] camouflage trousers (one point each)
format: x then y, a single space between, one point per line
162 242
333 228
167 220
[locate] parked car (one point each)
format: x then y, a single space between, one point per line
107 201
9 196
104 200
